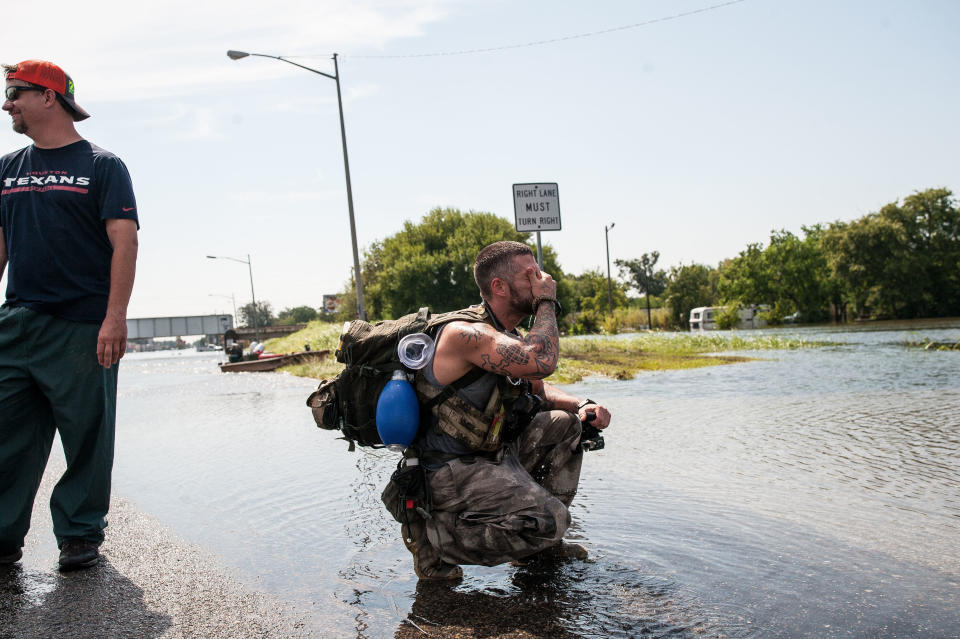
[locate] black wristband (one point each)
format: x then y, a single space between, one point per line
584 403
543 298
557 309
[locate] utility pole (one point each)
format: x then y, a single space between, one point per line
606 234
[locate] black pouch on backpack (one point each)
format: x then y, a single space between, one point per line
406 493
324 404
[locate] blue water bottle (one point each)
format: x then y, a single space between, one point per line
398 413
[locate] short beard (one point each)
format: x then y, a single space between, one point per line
524 307
20 127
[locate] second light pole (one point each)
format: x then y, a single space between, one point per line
256 325
236 55
606 235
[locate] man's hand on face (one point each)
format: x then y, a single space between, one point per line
541 284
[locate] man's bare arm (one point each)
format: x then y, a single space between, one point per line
464 345
112 340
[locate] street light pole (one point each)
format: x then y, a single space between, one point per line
253 296
228 297
236 55
606 234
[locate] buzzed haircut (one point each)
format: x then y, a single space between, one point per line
496 260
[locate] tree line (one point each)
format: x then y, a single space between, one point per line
902 261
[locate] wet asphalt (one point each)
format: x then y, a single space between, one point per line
151 584
148 584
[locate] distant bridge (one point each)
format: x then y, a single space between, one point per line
148 327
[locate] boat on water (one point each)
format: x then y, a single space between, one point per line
273 361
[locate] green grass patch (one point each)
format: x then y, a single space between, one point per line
325 369
320 336
929 344
619 365
624 358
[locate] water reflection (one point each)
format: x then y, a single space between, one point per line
811 493
582 600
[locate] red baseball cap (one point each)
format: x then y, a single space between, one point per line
50 76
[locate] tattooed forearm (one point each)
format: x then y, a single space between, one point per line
544 341
533 357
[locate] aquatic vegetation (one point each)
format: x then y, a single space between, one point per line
686 343
623 358
930 344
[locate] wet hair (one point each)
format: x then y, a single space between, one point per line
496 260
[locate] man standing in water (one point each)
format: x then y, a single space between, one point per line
68 228
502 453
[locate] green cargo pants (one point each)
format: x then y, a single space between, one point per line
50 381
489 512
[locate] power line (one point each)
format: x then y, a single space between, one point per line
538 43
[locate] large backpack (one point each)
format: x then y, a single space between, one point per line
348 402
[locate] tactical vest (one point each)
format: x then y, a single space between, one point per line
507 411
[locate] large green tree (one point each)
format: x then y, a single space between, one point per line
745 277
689 287
643 276
430 263
901 261
296 315
591 293
927 282
790 274
264 315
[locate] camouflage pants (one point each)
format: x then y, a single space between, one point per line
491 511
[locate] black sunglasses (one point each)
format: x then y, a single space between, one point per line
13 92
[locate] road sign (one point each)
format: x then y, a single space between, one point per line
536 207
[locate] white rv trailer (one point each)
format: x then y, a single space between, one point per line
702 317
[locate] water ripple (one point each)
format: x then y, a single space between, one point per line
810 493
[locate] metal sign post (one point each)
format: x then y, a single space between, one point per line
536 207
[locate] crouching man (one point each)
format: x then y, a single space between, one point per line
500 447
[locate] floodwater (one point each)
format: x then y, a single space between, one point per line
812 493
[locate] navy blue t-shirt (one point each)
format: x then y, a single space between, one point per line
53 207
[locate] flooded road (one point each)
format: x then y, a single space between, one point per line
812 493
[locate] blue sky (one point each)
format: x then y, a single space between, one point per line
695 135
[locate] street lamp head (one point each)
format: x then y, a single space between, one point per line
612 224
236 55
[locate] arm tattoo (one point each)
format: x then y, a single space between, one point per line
545 340
494 367
470 334
512 354
541 345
